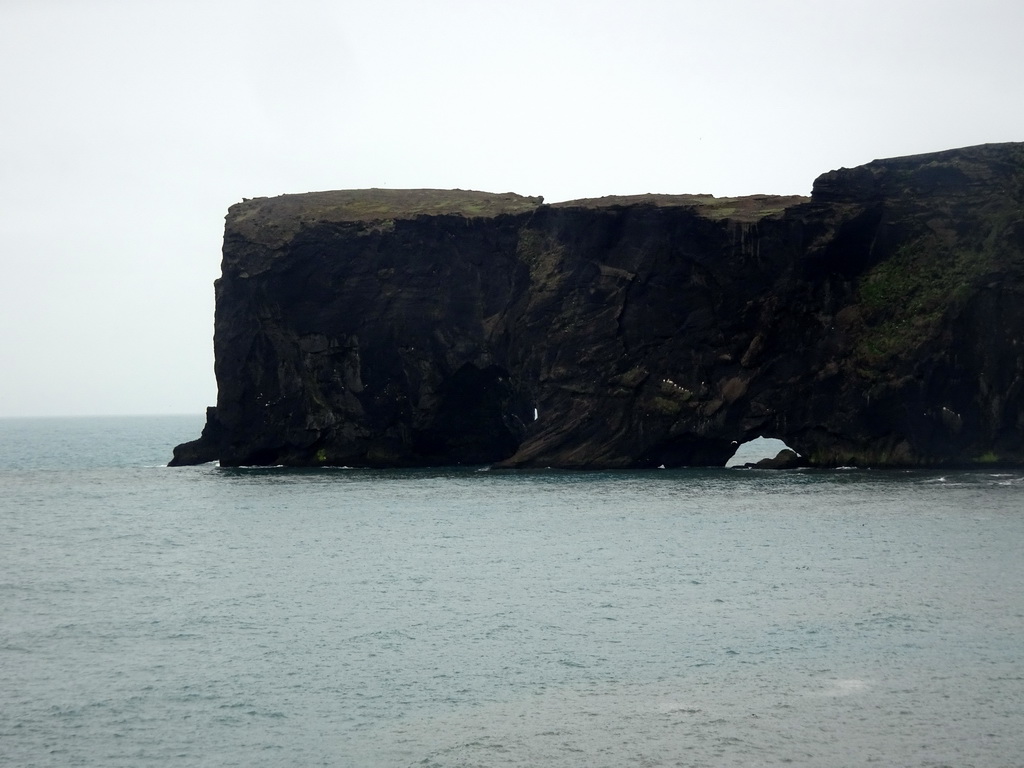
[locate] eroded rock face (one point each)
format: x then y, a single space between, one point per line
880 322
784 459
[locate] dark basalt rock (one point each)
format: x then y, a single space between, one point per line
879 322
784 459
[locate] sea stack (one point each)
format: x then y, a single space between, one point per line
879 322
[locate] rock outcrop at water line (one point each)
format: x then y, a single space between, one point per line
879 322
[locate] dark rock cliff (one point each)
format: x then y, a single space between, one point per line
880 322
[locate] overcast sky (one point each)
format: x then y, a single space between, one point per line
128 128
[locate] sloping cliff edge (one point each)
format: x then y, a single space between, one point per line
879 322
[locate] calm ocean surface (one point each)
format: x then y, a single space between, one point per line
268 617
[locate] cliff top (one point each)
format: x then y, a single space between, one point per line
272 220
747 208
380 204
980 169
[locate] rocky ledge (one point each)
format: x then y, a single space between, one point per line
879 322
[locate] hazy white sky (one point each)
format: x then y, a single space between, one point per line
129 127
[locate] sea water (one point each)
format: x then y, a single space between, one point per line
202 616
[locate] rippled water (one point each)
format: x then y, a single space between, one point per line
266 617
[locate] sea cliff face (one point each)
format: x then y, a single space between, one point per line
879 322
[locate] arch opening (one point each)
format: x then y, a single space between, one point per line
765 453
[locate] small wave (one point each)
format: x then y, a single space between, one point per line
675 707
845 687
571 663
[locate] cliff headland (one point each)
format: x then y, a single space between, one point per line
879 322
